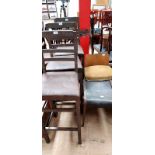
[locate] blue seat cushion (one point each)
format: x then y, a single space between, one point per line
98 93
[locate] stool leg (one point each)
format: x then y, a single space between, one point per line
81 92
84 113
78 120
55 114
45 135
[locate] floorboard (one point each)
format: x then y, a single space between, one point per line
96 135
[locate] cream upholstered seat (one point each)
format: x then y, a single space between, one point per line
98 72
97 67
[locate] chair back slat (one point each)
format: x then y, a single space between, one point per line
58 51
61 25
59 59
61 45
59 34
67 19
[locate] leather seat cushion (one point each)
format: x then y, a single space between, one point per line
98 72
60 83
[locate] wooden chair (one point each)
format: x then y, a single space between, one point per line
98 81
96 24
102 18
59 85
63 65
105 45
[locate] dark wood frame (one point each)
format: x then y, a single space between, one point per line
73 25
61 25
67 19
51 99
104 19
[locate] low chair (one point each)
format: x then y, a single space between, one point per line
98 82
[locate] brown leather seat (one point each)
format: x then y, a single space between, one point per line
60 83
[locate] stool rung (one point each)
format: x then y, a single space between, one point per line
65 103
53 3
49 11
59 110
61 128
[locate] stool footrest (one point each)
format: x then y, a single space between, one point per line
59 110
61 128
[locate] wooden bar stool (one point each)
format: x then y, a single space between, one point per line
66 65
60 86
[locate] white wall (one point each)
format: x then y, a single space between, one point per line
73 7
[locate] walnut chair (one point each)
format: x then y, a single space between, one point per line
105 44
95 23
61 86
66 65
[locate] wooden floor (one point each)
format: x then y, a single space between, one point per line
96 135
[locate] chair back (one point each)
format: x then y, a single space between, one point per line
62 26
109 38
59 47
96 59
106 17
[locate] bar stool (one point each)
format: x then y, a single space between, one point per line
64 65
60 86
